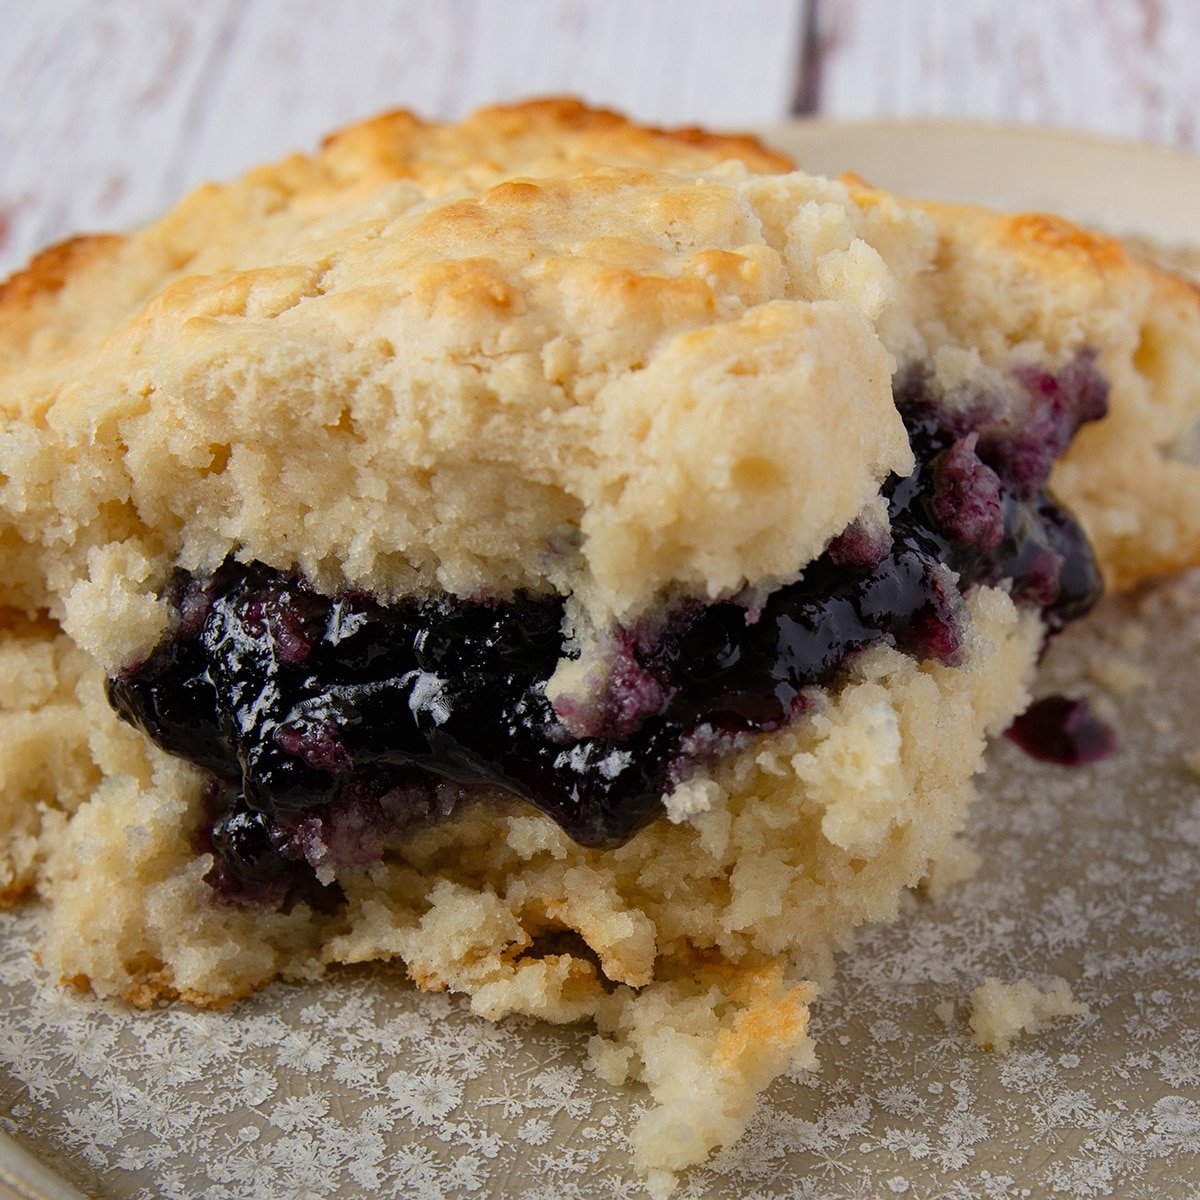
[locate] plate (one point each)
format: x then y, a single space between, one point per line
360 1086
1125 187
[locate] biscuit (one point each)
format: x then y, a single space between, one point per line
581 562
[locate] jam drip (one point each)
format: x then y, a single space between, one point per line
1057 729
331 724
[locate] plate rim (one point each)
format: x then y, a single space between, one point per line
1017 130
1122 185
25 1176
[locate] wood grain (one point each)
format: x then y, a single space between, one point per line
1109 66
94 111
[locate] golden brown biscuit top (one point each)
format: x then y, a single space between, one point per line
538 137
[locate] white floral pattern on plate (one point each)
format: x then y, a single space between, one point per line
360 1086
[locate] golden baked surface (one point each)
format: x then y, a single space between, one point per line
542 349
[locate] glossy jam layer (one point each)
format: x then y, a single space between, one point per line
331 724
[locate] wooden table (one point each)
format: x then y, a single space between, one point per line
109 110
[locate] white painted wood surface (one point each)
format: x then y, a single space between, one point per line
1124 67
110 109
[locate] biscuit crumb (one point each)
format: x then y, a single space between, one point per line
1001 1012
691 798
1117 676
957 863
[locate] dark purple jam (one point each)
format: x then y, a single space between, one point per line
331 724
1063 731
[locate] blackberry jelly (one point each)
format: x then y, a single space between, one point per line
333 723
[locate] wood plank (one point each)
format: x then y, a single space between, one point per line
108 112
96 102
704 61
1116 68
